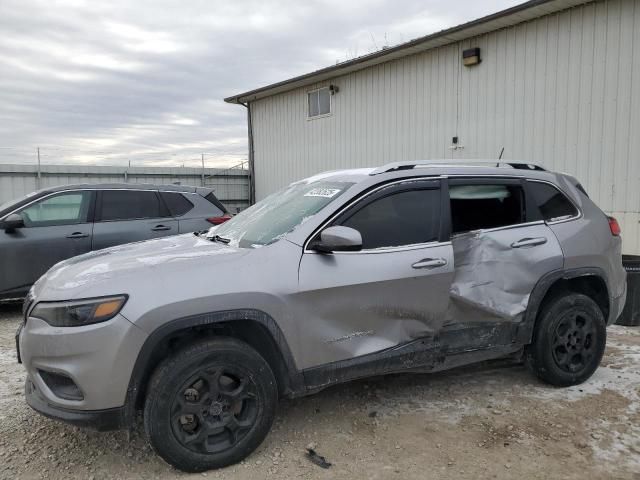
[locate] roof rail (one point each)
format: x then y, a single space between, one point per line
410 165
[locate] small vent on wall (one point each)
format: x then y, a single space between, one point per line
471 56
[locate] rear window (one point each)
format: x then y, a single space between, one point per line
479 207
551 202
130 205
211 198
581 188
177 203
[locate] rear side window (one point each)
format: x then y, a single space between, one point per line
211 198
551 202
177 203
398 219
478 207
130 205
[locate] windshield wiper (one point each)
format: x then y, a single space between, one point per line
215 238
218 238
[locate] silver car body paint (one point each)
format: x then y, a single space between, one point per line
492 279
374 291
92 356
328 307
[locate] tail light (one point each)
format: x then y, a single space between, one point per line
614 226
219 220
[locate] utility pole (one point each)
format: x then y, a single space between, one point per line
38 181
202 180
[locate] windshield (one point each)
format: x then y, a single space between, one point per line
10 203
270 219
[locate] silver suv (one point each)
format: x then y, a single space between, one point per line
417 267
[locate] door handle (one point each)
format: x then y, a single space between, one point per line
78 235
160 228
529 242
430 263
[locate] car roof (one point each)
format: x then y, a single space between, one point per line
436 168
18 203
129 186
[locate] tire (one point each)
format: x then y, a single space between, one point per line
210 405
568 341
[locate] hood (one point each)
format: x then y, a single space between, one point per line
132 266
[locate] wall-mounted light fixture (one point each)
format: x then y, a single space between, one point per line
334 89
471 56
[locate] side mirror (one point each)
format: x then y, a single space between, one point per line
12 222
339 239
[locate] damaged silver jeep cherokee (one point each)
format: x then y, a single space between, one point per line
408 267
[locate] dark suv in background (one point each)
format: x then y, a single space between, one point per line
57 223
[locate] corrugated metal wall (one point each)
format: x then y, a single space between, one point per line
562 90
231 186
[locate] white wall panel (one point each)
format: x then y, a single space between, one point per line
562 90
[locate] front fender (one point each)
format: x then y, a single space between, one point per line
144 365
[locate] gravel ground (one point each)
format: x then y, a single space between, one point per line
482 422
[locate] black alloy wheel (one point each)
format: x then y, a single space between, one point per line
214 410
569 339
210 404
573 346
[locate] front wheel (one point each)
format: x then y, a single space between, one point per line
210 405
569 340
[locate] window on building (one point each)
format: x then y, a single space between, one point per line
130 205
477 207
64 209
319 102
177 203
404 218
553 205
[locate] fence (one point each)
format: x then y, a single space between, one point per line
230 185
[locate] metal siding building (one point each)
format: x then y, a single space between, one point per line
559 85
231 186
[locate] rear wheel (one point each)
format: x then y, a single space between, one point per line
210 405
569 340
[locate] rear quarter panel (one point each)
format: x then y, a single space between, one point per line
587 241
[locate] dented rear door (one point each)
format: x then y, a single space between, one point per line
496 268
496 271
388 294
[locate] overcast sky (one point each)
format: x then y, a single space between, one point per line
108 81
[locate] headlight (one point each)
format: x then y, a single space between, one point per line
79 312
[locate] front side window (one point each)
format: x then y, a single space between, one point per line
319 102
397 219
64 209
280 213
129 205
479 207
553 205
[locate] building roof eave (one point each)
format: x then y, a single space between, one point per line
505 18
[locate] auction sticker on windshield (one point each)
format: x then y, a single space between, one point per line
322 192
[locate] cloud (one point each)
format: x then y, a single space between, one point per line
108 82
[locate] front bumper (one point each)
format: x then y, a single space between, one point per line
100 420
97 358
